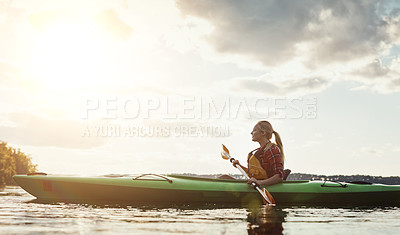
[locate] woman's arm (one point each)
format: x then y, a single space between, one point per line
243 167
270 181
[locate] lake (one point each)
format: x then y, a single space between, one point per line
21 214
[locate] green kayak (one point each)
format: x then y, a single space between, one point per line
171 189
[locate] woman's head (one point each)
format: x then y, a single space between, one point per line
263 129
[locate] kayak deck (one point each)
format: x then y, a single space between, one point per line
186 189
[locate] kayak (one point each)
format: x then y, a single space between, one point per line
178 189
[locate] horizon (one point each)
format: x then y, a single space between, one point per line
156 87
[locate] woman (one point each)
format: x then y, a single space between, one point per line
265 164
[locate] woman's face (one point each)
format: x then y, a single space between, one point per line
256 134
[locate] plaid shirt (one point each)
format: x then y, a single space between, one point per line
270 160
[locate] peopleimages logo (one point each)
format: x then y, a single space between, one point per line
200 108
171 116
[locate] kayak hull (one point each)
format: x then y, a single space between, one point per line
154 189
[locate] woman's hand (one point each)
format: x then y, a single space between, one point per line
235 162
252 179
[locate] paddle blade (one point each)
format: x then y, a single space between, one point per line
269 196
224 156
225 149
225 153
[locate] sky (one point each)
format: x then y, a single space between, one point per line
130 87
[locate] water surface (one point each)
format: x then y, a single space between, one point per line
21 214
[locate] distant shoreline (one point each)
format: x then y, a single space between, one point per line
392 180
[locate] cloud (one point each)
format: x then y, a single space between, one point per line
393 28
292 86
372 70
274 31
34 130
345 38
379 152
377 77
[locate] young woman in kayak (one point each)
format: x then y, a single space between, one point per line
265 164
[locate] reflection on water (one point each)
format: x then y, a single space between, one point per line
20 215
266 220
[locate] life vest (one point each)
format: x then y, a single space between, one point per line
254 166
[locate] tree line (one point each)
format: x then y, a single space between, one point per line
12 162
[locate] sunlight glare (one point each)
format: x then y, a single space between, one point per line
68 55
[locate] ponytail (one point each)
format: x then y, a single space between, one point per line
278 142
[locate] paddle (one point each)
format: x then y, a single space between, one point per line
267 197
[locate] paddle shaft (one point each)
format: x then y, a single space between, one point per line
256 186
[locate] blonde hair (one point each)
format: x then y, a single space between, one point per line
266 127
